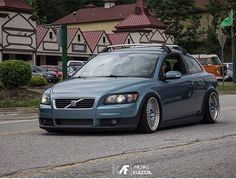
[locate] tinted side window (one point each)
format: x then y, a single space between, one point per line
192 65
174 63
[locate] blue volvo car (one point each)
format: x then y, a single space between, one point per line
127 87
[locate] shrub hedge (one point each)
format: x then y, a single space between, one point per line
15 73
37 81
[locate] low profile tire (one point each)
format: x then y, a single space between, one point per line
150 117
212 108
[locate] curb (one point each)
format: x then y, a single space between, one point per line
18 114
227 92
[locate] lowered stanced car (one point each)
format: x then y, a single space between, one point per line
138 86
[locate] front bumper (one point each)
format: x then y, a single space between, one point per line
103 117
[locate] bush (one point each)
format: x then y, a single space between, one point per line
15 73
1 85
38 81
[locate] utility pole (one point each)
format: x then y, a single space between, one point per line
64 50
233 54
222 40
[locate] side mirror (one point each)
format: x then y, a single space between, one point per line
172 75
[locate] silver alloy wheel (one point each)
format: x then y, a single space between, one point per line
153 113
214 106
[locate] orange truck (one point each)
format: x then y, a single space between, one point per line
212 64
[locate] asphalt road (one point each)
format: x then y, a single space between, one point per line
198 150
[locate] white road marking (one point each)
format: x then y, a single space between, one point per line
18 121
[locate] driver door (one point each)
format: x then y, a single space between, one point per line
176 94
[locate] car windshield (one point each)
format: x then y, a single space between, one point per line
231 65
120 65
216 61
203 61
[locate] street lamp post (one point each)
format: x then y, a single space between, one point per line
64 50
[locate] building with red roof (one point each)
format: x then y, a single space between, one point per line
18 31
133 19
93 18
90 29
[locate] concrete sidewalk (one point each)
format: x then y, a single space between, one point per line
18 113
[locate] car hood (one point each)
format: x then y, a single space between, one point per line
97 86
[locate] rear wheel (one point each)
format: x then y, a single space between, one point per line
150 118
212 108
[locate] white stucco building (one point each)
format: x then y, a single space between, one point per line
17 31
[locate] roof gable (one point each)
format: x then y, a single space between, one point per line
71 35
118 38
140 21
140 18
41 32
93 38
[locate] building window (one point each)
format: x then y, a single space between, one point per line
128 41
50 35
104 40
79 37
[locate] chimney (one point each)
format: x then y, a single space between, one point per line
109 3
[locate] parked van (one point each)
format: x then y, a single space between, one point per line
75 65
212 64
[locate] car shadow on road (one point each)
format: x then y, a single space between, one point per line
123 133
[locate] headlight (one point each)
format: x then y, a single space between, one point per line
45 99
121 98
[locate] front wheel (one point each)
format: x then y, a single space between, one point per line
212 108
150 118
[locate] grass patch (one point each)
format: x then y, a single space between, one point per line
19 103
19 98
228 87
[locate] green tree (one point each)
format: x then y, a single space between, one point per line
174 14
214 8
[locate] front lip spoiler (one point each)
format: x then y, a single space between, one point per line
89 129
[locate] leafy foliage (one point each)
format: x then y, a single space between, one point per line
175 14
15 73
37 81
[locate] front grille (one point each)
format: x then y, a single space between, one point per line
83 103
74 122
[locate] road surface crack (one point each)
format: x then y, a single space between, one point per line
36 170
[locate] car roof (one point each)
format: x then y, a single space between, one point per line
156 48
204 55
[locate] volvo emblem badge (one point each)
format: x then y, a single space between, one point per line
73 103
